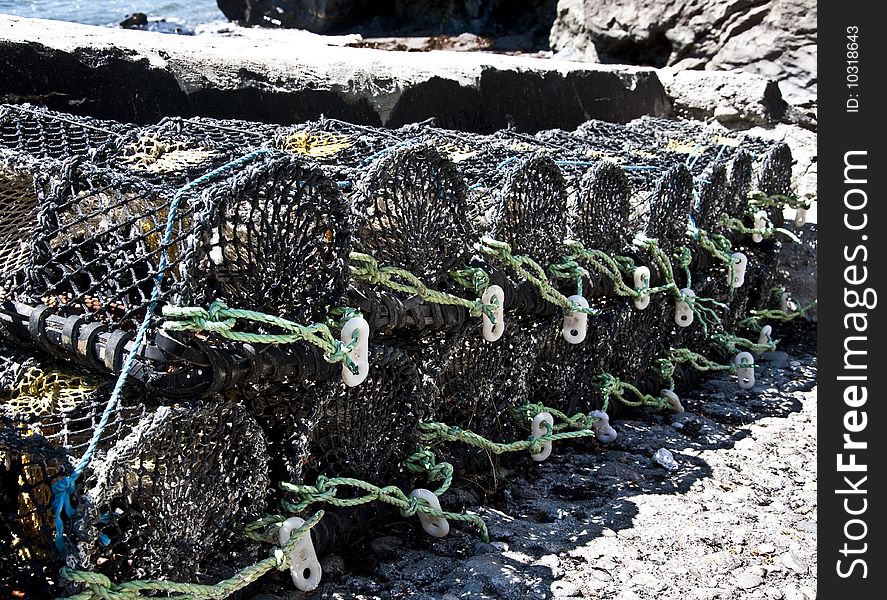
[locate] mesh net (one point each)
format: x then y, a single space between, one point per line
172 479
100 235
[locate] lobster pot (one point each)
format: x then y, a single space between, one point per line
708 274
222 133
328 428
640 336
409 211
484 384
528 212
167 499
598 217
44 133
18 214
48 413
774 176
98 235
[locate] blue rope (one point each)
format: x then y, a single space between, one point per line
640 168
63 489
383 152
505 163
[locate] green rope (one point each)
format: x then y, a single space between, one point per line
732 344
530 270
768 230
570 270
666 369
762 200
472 278
365 268
221 320
717 245
700 362
706 314
611 267
577 421
611 386
756 316
683 257
425 461
325 490
662 262
99 587
431 433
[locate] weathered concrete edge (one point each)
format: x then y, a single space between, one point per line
141 76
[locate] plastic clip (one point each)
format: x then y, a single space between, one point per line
537 430
736 276
760 224
683 312
493 331
787 304
673 401
800 217
746 371
433 526
766 336
641 282
601 427
305 569
360 355
575 325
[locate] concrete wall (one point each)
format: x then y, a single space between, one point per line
141 76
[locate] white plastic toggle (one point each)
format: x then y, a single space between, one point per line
683 312
673 401
800 217
360 355
760 223
736 276
575 325
746 375
433 526
642 280
766 336
787 304
601 426
305 569
493 331
537 430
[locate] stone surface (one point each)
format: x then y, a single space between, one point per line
772 38
142 76
731 98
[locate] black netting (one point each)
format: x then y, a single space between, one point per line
362 431
168 497
409 211
45 133
100 235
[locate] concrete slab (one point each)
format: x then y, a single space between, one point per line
141 76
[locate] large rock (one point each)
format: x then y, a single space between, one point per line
292 76
772 38
319 16
528 18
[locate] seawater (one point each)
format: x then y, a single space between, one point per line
111 12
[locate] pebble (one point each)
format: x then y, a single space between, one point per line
561 589
748 580
765 549
793 562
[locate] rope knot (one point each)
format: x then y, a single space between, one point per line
413 506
